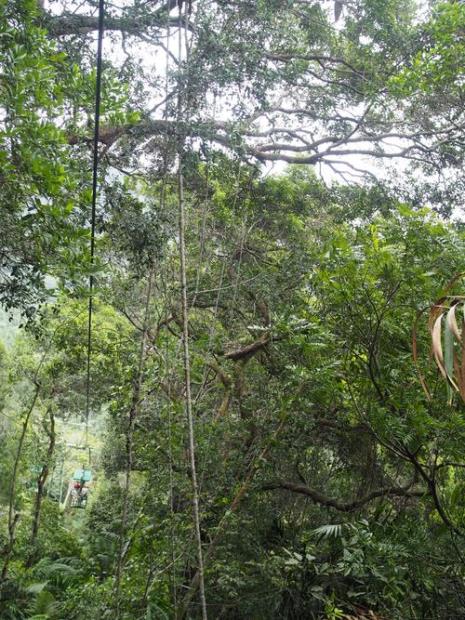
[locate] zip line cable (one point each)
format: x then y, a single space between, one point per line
95 162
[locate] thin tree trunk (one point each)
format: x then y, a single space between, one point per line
41 481
122 553
13 517
185 326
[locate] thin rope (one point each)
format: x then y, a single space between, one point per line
98 97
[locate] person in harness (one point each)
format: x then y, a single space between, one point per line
84 495
80 494
80 490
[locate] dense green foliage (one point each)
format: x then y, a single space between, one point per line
330 485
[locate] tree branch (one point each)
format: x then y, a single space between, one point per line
75 24
349 506
249 349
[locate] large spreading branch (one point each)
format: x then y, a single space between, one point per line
361 123
294 145
131 22
348 506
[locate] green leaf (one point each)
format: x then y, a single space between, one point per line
332 530
35 588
